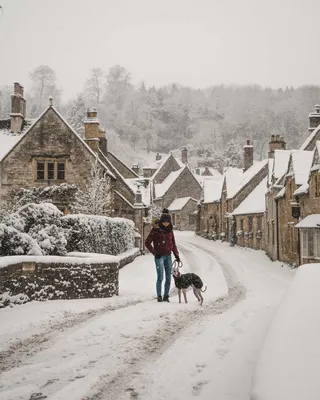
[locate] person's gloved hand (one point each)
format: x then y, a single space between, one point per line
177 258
157 256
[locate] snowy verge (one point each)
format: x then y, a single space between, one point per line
289 362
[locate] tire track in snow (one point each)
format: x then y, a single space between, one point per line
152 347
20 350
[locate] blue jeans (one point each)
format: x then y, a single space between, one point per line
163 263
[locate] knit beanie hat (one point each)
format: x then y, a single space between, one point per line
165 218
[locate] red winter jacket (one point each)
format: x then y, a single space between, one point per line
161 242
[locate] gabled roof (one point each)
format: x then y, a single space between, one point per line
212 189
161 165
50 107
179 204
162 188
255 202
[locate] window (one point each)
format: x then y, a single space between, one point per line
50 170
250 223
40 169
259 224
173 218
241 224
311 243
61 171
192 219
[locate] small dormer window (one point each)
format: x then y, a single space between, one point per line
49 169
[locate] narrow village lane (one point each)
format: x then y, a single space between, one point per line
148 349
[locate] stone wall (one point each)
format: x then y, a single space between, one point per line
60 280
288 234
62 277
186 219
253 238
186 185
169 166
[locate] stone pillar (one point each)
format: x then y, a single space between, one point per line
247 155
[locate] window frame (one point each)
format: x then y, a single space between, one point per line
46 172
310 241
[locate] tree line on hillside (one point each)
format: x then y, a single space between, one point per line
213 123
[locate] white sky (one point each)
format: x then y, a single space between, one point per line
192 42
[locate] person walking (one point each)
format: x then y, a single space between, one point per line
161 242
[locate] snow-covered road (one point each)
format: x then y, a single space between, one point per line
131 346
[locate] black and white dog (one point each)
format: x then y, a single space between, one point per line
183 281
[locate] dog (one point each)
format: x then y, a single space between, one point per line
183 281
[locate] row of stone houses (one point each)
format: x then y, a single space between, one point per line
272 205
47 152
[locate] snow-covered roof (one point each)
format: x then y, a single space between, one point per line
8 140
179 204
255 202
143 185
311 221
162 188
301 162
281 160
281 193
309 138
246 177
233 176
212 189
303 189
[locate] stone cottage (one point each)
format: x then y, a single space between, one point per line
49 152
184 213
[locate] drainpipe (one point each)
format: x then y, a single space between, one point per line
277 231
299 249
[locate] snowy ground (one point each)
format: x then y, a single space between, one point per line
131 346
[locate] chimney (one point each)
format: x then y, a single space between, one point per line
94 135
277 142
18 108
158 157
314 118
135 168
184 155
197 171
247 155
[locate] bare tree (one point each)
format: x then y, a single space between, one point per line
43 83
94 85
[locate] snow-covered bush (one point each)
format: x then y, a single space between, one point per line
98 234
240 233
38 216
259 234
7 300
13 242
52 240
223 236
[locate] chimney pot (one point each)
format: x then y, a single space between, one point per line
158 157
248 142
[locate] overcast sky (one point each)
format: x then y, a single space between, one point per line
193 42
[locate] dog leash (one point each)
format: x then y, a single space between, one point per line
179 264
